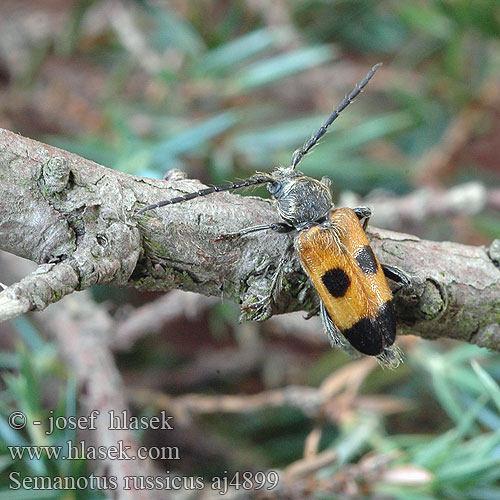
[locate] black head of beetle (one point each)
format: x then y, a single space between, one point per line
300 199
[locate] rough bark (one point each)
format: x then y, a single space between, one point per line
77 220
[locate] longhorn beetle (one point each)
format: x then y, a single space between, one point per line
355 298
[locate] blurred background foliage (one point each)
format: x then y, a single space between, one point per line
221 89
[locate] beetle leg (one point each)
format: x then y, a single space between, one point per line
363 214
326 181
398 276
279 227
262 306
314 312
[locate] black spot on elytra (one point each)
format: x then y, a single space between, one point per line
336 281
372 336
365 337
386 319
366 260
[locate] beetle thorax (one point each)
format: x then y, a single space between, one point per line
300 199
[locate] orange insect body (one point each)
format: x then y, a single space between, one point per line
357 299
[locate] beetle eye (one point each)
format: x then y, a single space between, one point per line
275 188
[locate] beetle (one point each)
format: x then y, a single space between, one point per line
355 301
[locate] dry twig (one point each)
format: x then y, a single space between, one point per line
58 208
401 212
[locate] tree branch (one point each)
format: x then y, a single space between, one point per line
44 286
60 209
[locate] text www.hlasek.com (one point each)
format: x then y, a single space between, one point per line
81 451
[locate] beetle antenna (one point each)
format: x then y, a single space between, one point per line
252 181
300 153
